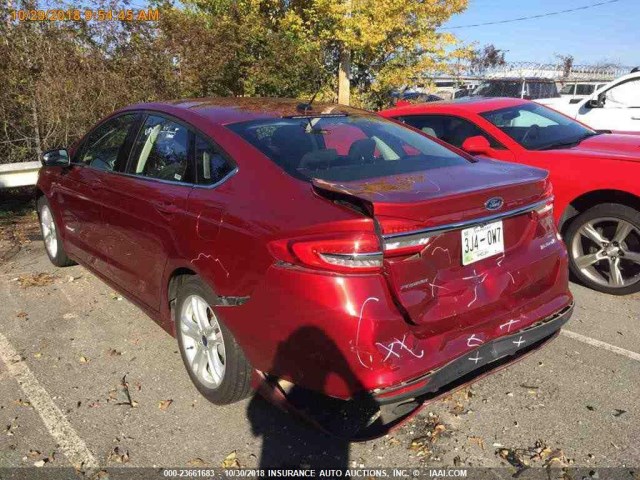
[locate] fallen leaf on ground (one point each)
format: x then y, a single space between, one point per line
127 394
23 403
196 462
164 404
83 359
477 440
119 455
33 453
24 315
231 461
39 463
37 354
429 433
114 353
36 280
523 457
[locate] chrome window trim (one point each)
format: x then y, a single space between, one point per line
175 182
432 231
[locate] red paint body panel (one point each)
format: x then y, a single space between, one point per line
390 326
603 162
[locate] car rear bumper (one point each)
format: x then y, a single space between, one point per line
478 360
372 414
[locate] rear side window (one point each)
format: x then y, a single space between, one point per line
162 150
567 89
344 148
542 90
585 89
104 145
211 166
451 129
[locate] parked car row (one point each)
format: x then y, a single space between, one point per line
347 265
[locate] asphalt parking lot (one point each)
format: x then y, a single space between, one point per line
86 377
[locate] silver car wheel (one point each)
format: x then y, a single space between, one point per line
202 341
606 250
49 231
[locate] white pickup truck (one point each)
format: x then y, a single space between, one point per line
615 106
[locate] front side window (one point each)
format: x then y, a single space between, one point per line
211 166
162 150
105 144
624 95
344 148
453 130
536 127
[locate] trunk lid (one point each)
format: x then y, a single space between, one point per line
421 216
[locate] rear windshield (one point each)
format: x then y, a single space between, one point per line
344 148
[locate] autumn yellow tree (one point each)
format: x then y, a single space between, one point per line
379 43
371 45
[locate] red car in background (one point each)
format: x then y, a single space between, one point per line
347 263
595 176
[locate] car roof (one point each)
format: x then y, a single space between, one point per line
227 110
465 104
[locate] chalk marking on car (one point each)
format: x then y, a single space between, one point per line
69 442
481 280
390 348
217 260
357 346
445 250
476 359
509 324
519 342
474 341
600 344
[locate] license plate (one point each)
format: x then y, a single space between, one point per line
482 242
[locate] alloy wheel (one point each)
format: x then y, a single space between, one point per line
49 231
203 341
606 250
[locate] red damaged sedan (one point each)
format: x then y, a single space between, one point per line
594 175
343 264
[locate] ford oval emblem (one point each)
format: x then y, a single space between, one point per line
494 203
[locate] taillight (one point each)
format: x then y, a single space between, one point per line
546 224
546 209
342 252
399 239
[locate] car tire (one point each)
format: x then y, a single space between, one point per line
604 248
51 235
214 361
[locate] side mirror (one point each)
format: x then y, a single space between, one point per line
477 145
55 158
597 102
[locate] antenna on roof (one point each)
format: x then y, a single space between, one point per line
303 107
